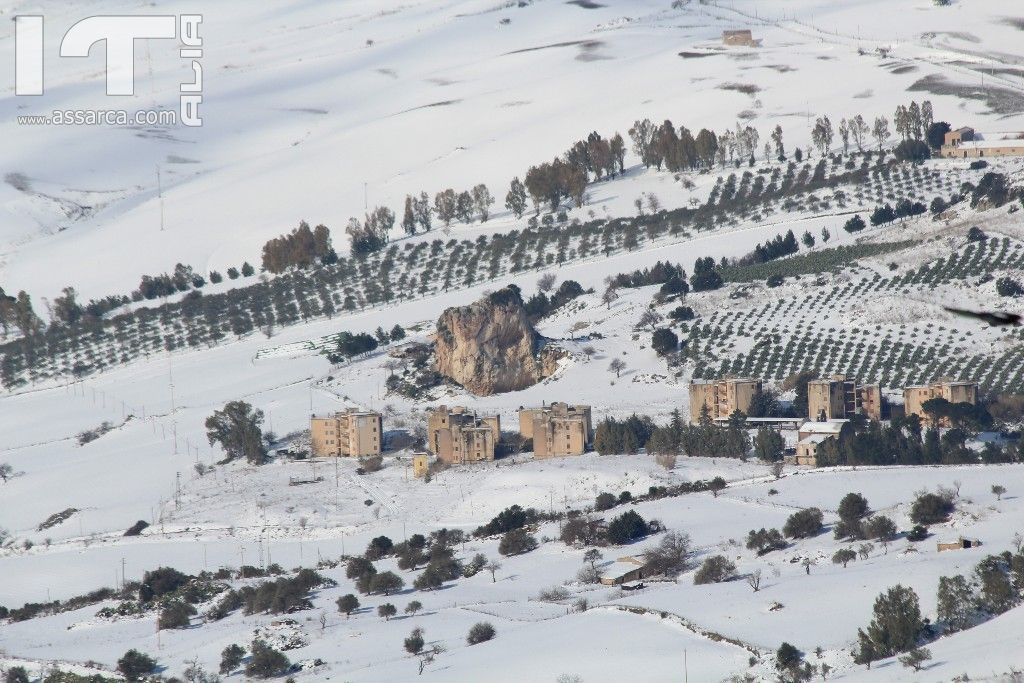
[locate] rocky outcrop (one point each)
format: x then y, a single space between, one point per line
490 347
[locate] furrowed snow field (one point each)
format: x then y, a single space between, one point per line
304 118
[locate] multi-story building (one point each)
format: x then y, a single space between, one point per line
350 433
840 398
955 392
457 436
557 429
723 397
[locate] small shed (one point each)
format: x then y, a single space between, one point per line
738 38
420 464
959 544
807 449
625 569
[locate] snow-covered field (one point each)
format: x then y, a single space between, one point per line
311 109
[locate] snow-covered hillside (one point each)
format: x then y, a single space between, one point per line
311 110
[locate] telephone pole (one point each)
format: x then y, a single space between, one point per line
160 196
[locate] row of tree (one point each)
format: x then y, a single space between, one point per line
299 249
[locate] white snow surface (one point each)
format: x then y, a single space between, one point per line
305 118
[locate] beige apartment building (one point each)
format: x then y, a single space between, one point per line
839 398
722 397
457 436
954 392
350 433
557 429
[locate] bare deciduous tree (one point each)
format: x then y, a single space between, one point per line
609 296
546 282
672 554
649 319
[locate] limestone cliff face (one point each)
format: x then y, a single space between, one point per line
490 347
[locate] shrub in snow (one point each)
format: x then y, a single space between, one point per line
175 614
803 524
161 581
348 604
715 569
479 633
896 626
414 643
266 662
386 583
627 527
16 674
516 542
134 665
931 508
844 556
230 658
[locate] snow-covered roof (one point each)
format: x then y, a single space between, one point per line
622 566
760 420
815 439
828 427
990 144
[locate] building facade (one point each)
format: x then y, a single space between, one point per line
955 392
722 397
557 429
626 569
963 143
457 436
839 398
350 433
420 465
812 437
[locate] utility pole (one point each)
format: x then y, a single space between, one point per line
177 489
160 196
124 579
